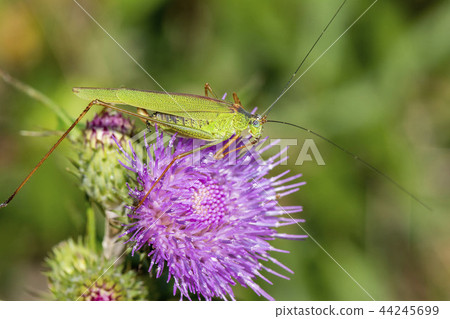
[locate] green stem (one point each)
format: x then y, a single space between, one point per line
90 229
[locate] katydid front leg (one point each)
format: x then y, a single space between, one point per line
241 147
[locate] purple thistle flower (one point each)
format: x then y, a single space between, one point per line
210 224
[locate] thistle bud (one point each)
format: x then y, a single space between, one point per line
78 273
101 175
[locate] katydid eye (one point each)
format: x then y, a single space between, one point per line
256 123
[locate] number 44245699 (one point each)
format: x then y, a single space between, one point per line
409 310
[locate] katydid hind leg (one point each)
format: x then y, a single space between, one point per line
180 156
63 136
159 178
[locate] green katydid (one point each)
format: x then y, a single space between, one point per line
194 116
189 115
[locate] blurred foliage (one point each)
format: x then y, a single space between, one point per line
383 92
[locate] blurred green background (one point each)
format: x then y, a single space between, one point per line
382 92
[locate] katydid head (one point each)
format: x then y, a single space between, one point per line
255 125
